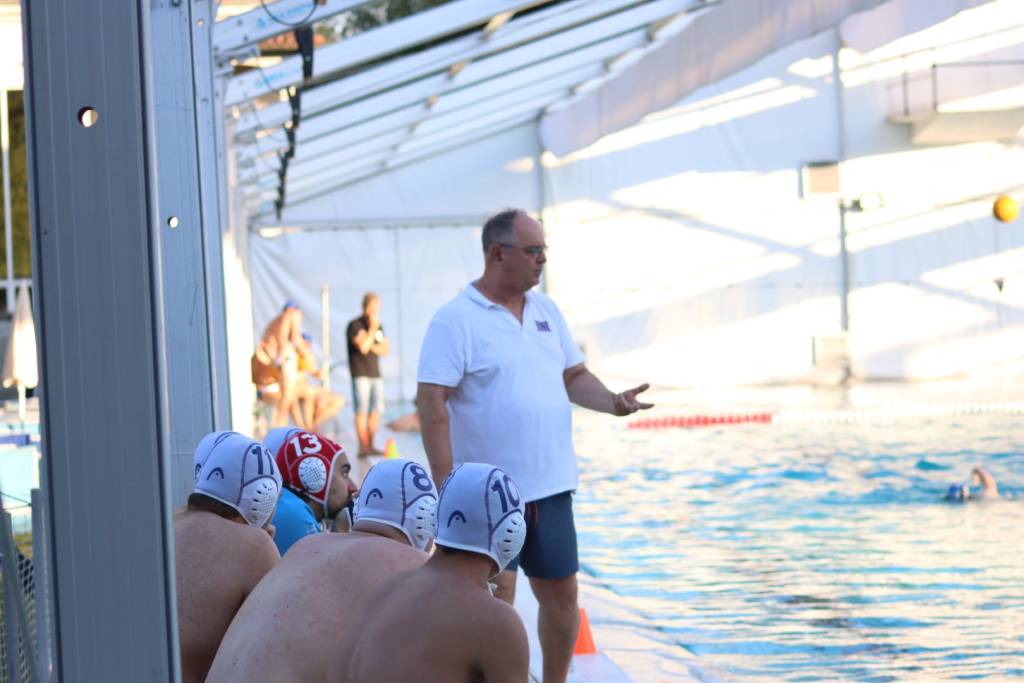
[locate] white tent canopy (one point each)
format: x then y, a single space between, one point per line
722 43
686 246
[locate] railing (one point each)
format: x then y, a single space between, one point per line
925 91
26 627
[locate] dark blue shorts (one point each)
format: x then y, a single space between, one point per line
550 548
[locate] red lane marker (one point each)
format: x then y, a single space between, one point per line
700 420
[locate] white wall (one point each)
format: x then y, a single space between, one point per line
683 253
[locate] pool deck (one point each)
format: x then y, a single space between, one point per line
637 650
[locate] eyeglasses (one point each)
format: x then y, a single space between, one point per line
532 251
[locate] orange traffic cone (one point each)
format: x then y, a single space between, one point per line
584 640
390 450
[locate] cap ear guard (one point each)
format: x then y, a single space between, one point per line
508 538
509 532
421 521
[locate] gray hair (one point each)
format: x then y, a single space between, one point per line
498 228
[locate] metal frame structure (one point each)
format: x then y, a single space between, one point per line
123 200
434 81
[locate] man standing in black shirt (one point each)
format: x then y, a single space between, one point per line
366 343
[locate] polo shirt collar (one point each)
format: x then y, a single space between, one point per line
476 296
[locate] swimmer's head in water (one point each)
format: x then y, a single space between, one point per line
241 473
206 444
400 494
961 491
289 304
481 510
307 464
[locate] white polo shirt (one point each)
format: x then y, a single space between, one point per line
508 405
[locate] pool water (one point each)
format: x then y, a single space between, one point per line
813 552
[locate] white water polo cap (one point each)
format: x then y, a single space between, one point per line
241 472
481 510
206 444
400 494
277 437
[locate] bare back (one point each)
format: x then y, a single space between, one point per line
431 625
285 630
217 563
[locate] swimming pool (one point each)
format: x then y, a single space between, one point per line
813 552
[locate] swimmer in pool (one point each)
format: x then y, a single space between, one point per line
979 477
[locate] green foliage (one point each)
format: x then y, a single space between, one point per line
19 192
376 14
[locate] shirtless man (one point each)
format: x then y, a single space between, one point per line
439 622
275 363
222 544
281 634
317 403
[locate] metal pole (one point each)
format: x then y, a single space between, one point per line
42 585
325 333
542 199
398 307
5 142
844 257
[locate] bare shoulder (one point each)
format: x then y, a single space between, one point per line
503 647
487 617
504 618
256 549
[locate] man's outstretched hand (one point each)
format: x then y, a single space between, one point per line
625 403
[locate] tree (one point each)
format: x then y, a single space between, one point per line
19 191
379 13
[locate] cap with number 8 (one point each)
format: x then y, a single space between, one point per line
306 461
400 494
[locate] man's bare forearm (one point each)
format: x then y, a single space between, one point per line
586 390
435 428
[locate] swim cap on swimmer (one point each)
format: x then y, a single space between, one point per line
961 491
206 444
307 464
241 473
481 510
401 494
276 437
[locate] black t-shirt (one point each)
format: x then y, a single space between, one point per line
360 365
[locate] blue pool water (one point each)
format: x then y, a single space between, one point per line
813 552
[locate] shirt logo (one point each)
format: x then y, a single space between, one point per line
542 326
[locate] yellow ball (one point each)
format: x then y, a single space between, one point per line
1006 209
